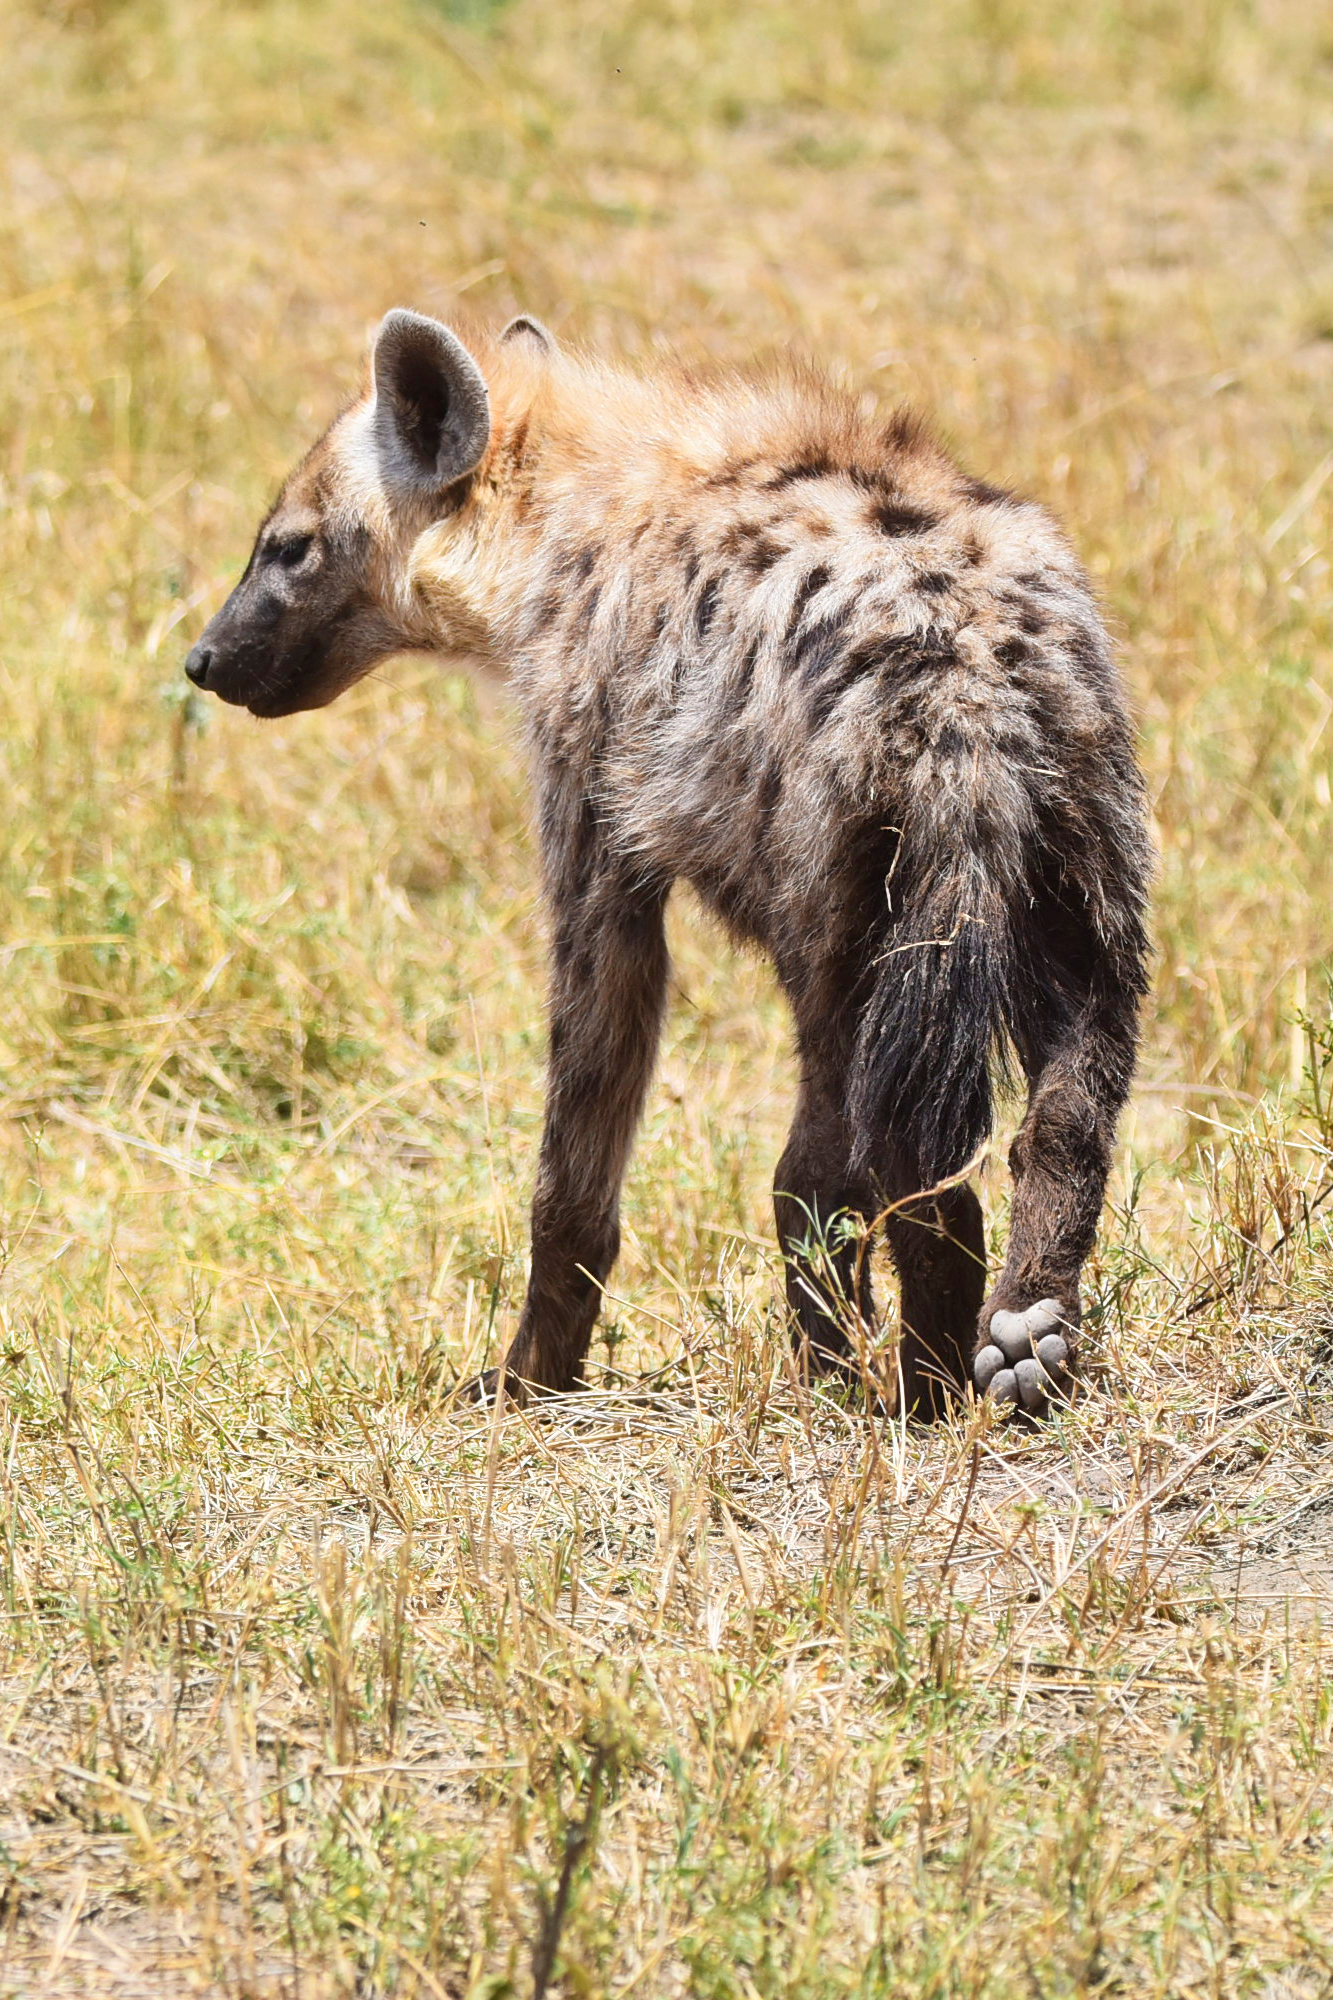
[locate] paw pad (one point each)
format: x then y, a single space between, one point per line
1027 1359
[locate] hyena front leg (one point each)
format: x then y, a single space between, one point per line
1027 1342
608 986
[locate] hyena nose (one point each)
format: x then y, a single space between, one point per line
197 665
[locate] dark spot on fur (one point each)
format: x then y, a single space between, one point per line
749 543
982 494
1035 579
896 649
920 663
763 553
825 698
1086 653
864 659
901 654
904 430
1029 617
817 465
911 657
896 517
587 611
731 475
971 552
935 582
951 741
542 612
811 584
740 688
706 608
820 647
1011 653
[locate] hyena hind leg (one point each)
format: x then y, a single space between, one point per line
1027 1342
937 1245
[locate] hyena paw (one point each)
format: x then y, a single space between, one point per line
498 1385
518 1391
483 1388
1026 1360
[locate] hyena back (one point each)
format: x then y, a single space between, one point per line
862 702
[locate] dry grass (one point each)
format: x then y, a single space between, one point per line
310 1685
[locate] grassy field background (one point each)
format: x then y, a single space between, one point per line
311 1685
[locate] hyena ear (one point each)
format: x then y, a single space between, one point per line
531 330
432 415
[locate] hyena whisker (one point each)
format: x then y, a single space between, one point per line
789 653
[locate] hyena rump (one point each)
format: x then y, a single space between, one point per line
862 702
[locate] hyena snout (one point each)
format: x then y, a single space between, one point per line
244 652
280 645
197 663
247 673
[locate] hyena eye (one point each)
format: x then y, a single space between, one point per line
293 552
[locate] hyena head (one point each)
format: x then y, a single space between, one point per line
324 597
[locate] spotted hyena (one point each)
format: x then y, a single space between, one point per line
864 703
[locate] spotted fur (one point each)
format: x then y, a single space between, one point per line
788 653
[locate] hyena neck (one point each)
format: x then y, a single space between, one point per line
462 576
578 458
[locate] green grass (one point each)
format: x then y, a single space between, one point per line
312 1685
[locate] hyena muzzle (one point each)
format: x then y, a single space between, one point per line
862 702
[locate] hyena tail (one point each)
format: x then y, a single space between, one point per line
951 988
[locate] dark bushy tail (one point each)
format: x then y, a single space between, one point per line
1016 919
947 1000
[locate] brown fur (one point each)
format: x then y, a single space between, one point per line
862 702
